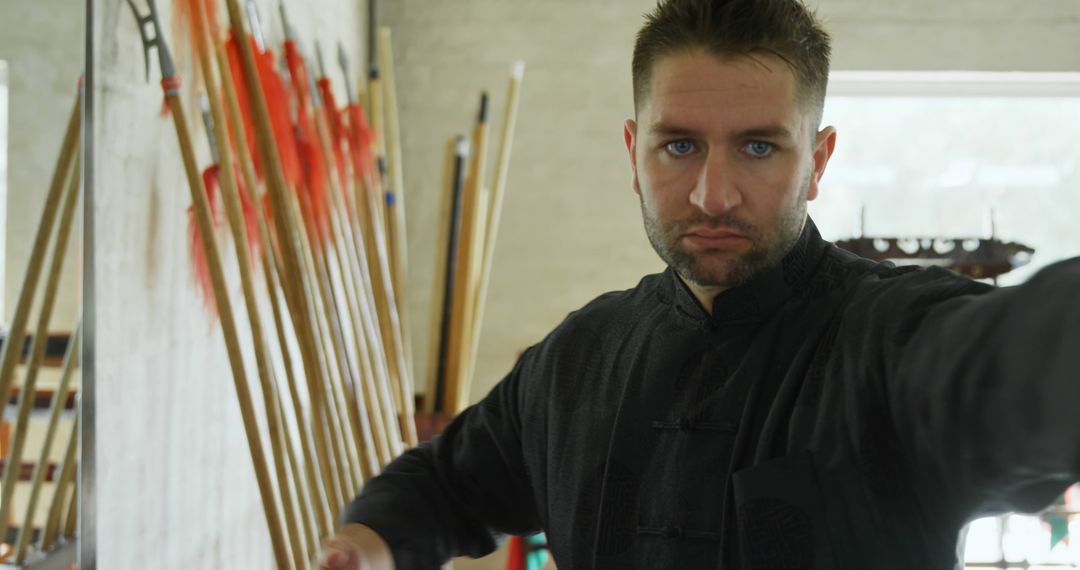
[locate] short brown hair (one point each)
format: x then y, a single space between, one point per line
784 28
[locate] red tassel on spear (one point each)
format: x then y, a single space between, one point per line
335 118
307 142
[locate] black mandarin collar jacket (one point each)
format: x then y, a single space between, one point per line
833 413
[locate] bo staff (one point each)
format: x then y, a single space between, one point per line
395 195
60 487
498 192
171 85
37 352
458 156
13 344
462 311
233 211
272 270
59 400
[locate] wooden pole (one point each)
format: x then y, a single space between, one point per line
457 155
59 401
498 193
348 270
37 351
13 344
395 201
60 485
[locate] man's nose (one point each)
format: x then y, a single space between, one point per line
716 191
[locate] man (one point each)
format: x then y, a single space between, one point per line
770 401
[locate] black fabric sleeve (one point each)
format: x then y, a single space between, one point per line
983 388
456 495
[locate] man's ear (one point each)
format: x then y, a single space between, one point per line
824 144
630 137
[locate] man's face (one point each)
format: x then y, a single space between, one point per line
724 162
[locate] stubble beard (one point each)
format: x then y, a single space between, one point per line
708 267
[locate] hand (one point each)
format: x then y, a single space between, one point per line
356 547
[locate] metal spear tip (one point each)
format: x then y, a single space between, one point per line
319 59
290 32
256 25
208 124
343 61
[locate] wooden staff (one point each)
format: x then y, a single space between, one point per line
272 269
498 192
60 486
13 344
37 351
457 158
171 86
56 407
395 195
233 211
462 311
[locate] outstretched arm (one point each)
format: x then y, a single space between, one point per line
984 393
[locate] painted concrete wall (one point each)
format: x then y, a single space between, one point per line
42 44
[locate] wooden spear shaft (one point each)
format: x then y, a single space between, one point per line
370 320
37 352
368 201
59 400
13 344
397 234
346 261
382 270
231 195
332 360
60 487
278 540
272 271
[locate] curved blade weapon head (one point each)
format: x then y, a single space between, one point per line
150 33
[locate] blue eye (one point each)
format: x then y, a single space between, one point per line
759 149
680 147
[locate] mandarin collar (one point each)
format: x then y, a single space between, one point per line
760 296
